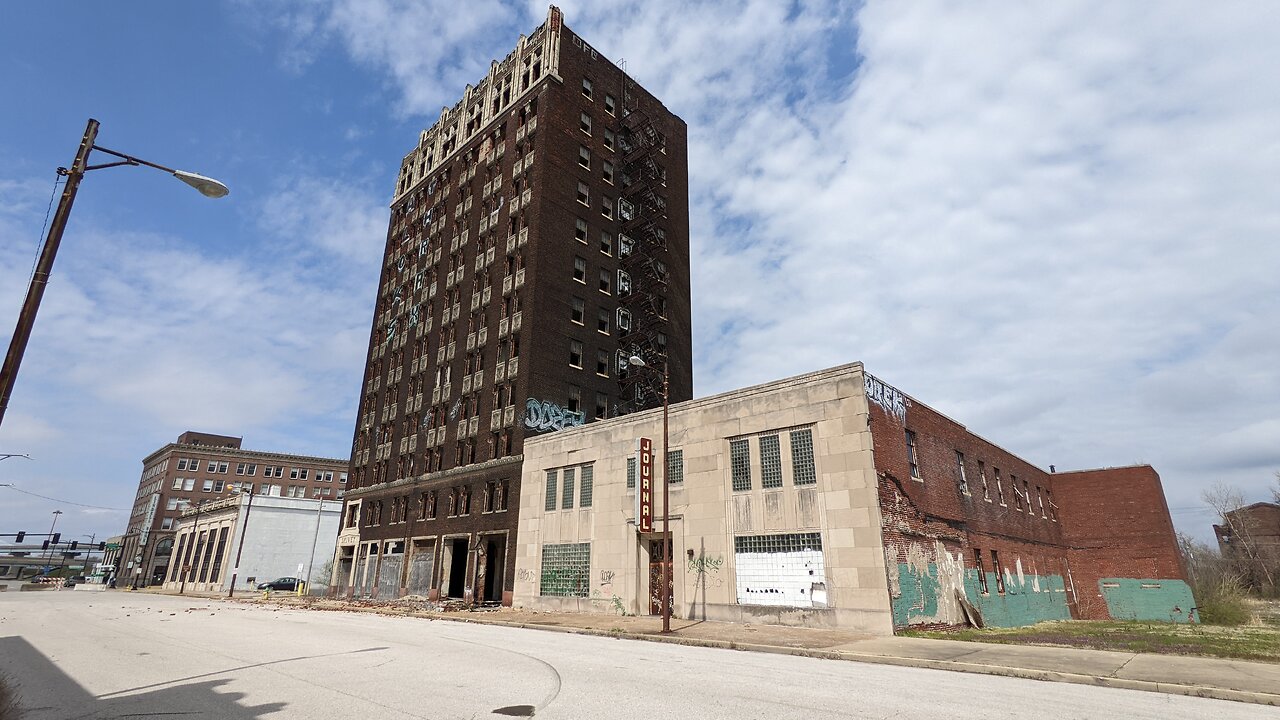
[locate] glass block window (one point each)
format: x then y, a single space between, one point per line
675 467
631 473
566 502
740 464
770 462
802 470
566 570
793 542
551 491
585 486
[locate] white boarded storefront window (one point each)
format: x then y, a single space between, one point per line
782 570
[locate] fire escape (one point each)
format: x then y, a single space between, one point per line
642 255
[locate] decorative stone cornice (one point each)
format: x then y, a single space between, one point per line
443 475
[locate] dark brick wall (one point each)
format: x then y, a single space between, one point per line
545 299
1116 523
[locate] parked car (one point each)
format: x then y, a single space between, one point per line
284 583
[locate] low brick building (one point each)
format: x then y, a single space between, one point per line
1250 538
833 499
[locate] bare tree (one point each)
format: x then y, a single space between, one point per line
1225 501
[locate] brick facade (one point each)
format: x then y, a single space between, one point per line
498 310
974 529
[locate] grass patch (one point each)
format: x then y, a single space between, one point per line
1258 641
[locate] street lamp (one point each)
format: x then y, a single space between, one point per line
244 530
48 558
666 495
44 266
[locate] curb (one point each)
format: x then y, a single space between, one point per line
1203 691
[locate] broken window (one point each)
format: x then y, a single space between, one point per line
961 479
584 157
580 269
604 321
606 282
740 464
580 230
999 488
911 455
586 88
982 571
584 194
1026 491
584 122
579 310
1053 509
602 406
995 566
982 474
608 139
574 402
575 354
770 462
608 104
608 172
1040 499
606 207
602 363
1017 494
606 242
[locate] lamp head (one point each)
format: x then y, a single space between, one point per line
636 360
206 185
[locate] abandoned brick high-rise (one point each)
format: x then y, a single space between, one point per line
539 237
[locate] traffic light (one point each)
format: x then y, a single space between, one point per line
56 537
74 543
21 535
45 546
102 546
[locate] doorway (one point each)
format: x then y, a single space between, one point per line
456 564
495 557
659 557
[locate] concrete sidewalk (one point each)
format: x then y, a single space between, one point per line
1237 680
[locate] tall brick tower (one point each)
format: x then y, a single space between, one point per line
539 238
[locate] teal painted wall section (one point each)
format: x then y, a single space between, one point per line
1160 600
1020 604
918 602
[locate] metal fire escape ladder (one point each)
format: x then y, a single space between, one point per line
643 257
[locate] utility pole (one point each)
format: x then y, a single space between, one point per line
314 539
52 540
244 529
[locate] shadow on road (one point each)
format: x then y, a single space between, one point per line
44 691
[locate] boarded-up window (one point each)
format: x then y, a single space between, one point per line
784 570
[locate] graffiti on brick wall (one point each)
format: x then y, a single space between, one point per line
893 402
543 415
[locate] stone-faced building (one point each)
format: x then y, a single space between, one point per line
539 238
834 499
203 467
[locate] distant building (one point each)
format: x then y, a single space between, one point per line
550 206
280 537
201 467
833 499
1250 538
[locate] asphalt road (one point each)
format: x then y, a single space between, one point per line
90 653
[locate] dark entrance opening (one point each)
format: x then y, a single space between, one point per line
458 567
495 556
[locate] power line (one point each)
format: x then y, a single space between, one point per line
65 502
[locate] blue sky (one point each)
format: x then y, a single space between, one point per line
1054 224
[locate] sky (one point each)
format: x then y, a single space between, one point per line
1054 222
